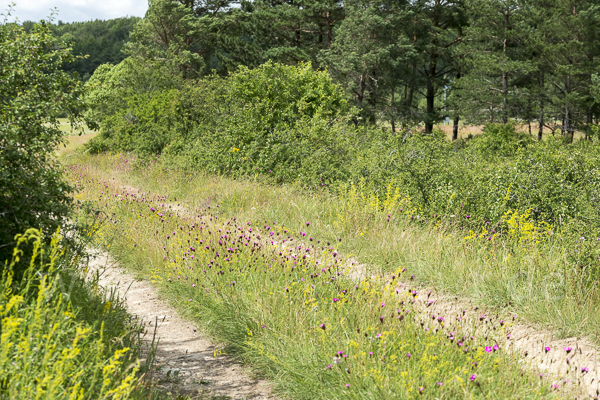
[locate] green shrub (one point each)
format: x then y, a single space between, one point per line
60 340
34 93
501 140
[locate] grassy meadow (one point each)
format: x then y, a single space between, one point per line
318 290
341 259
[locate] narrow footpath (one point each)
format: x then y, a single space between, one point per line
187 362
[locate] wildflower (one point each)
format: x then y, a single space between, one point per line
409 355
347 385
382 305
568 349
496 347
488 349
322 326
547 348
328 367
585 370
473 377
440 383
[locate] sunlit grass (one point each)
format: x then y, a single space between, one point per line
265 281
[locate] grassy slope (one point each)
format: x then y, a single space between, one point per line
384 240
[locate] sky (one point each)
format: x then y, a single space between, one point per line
73 10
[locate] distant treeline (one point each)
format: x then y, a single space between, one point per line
101 40
402 62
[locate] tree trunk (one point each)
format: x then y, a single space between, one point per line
567 129
360 95
329 33
541 120
430 98
392 116
455 129
504 73
456 118
588 121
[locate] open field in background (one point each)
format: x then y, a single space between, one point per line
527 281
465 130
74 142
65 126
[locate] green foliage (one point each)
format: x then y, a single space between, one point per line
278 120
110 90
101 41
299 313
292 124
501 140
34 92
60 338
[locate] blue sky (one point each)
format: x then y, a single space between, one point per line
74 10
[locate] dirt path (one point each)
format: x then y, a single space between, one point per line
188 363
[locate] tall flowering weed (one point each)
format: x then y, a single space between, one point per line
46 350
294 307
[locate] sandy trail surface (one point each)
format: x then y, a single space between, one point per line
187 362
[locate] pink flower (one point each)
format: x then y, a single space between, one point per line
473 377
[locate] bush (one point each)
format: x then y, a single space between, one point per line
59 340
34 93
292 124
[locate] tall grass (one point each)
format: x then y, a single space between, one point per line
61 337
526 275
217 246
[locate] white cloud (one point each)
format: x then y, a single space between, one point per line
74 10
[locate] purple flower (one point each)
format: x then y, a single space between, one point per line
547 348
473 377
488 349
322 326
585 370
568 349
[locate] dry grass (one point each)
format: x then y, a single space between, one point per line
464 131
74 142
